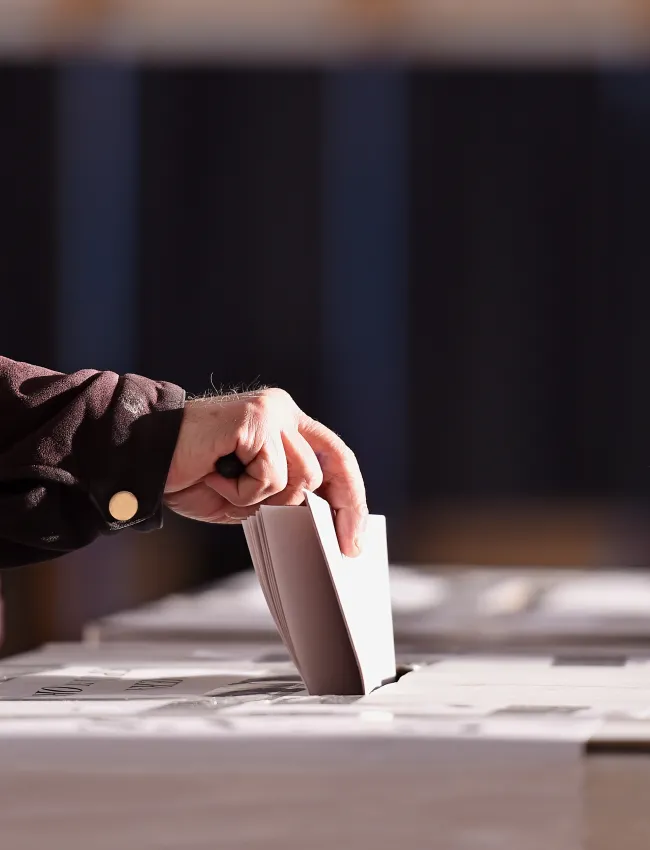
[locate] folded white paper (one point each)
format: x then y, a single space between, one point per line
333 613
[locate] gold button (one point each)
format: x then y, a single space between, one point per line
123 506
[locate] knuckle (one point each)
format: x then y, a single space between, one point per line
279 393
281 399
348 457
271 403
340 446
297 496
313 480
276 484
258 407
289 496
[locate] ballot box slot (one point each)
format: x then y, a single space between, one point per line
401 670
614 747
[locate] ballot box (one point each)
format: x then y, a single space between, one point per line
459 752
532 608
154 652
235 610
468 609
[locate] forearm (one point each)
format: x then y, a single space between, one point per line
68 443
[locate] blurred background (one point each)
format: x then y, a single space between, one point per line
425 220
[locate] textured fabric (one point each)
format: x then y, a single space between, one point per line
67 444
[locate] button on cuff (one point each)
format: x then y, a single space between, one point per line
123 506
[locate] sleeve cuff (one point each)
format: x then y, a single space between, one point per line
146 420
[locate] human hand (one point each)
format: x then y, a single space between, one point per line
284 451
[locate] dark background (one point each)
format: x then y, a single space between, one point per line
513 377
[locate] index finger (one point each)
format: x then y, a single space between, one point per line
343 485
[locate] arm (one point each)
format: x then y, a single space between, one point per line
68 444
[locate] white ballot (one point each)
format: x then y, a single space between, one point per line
333 613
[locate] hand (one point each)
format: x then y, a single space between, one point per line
285 452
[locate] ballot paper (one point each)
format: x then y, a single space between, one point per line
333 613
130 682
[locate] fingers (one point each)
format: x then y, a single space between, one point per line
304 472
343 485
198 502
280 464
284 451
266 473
204 504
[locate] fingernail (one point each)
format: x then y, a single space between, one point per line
360 538
359 542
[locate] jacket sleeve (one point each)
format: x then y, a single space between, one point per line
68 443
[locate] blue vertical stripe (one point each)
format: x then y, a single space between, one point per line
365 286
97 282
98 159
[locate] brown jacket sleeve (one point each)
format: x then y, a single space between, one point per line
68 443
